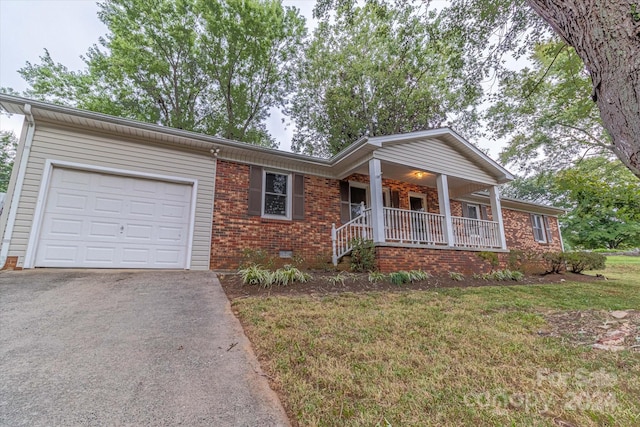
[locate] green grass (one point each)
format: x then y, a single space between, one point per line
622 259
464 356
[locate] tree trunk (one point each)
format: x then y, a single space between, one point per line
606 35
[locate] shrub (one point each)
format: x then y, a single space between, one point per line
581 261
490 257
298 261
363 255
517 275
525 261
458 277
256 257
399 277
375 277
338 278
321 261
418 275
501 275
289 274
554 262
256 275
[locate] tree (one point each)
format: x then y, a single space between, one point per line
8 146
601 196
250 46
208 66
604 34
606 205
546 112
377 71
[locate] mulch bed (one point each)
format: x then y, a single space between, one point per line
320 285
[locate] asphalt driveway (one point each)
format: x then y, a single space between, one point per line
126 348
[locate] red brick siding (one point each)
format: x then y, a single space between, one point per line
404 188
437 261
234 230
519 232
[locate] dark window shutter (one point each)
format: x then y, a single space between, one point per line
255 191
345 209
395 199
483 213
465 210
533 227
547 227
298 196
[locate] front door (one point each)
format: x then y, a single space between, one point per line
417 204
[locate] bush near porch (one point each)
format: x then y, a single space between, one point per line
455 356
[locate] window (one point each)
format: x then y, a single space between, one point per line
538 228
358 195
276 199
472 212
417 202
386 197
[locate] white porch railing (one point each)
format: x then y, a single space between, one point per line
343 236
416 228
413 227
474 233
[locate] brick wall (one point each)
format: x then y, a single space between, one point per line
519 232
234 230
404 188
436 261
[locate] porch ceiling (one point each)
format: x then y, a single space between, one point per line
457 186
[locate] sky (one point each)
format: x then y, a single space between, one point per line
67 28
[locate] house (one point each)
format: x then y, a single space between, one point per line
95 191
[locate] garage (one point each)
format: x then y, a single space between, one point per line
89 190
95 219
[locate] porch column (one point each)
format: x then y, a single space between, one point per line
377 212
496 213
445 207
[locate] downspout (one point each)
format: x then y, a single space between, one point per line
17 191
560 234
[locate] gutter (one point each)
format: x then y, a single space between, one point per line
17 189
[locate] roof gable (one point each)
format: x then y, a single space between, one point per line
441 151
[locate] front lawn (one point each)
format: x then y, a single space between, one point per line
456 356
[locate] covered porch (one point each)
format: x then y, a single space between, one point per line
418 224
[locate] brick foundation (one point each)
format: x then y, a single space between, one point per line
436 261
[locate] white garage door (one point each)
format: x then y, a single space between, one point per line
110 221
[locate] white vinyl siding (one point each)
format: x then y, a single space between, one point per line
78 146
436 156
